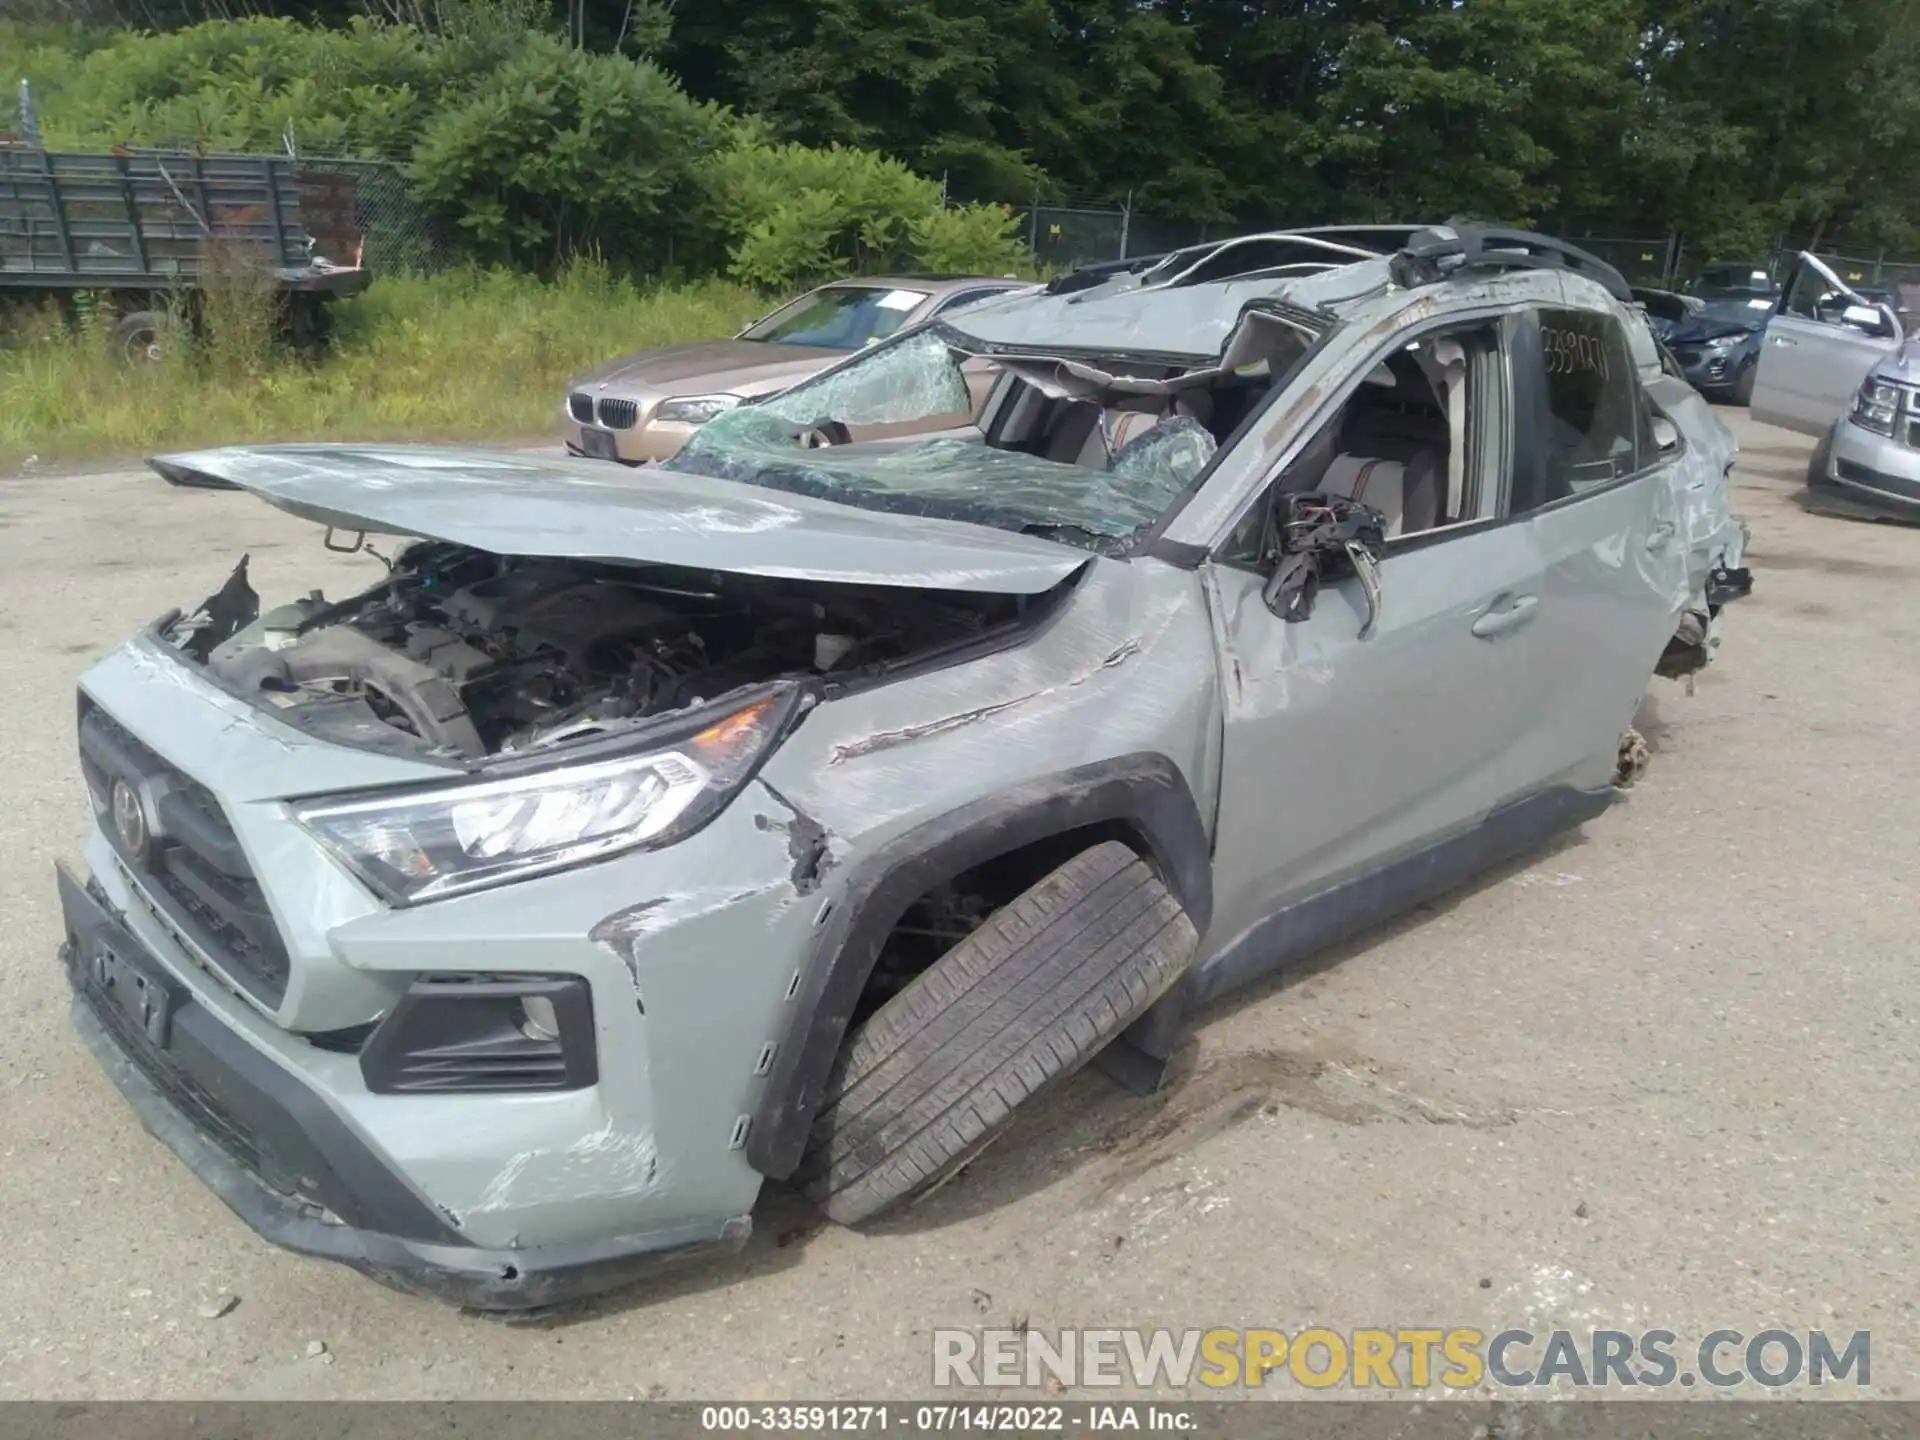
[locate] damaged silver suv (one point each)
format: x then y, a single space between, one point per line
800 808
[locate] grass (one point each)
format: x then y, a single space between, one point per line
466 355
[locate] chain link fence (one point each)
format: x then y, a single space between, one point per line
1646 261
1875 272
1064 234
401 233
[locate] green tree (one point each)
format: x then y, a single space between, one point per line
561 150
1821 101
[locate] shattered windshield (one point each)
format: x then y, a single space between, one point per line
1089 453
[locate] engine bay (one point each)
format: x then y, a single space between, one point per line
463 654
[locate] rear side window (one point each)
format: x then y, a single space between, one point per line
1594 426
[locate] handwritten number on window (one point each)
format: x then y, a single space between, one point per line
1568 352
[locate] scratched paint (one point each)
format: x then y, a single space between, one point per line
885 739
608 1164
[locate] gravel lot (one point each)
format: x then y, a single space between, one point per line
1663 1074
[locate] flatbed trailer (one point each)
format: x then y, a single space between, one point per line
150 229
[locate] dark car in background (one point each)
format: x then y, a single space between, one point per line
1713 330
1714 326
1719 346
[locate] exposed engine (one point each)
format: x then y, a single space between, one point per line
471 654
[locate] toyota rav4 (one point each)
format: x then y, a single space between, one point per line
803 807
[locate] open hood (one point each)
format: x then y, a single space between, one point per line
587 510
1901 364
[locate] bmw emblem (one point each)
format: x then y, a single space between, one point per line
129 818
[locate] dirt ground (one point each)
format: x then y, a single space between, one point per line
1662 1074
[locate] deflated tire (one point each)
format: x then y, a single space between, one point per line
1023 1002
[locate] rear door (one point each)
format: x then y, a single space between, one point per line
1599 504
1818 347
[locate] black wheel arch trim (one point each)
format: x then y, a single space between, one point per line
1145 793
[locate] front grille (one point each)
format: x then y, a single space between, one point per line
1687 354
619 414
193 870
580 406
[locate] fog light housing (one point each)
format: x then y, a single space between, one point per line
538 1020
485 1034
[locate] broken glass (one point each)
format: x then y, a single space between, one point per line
952 479
1166 457
917 378
777 444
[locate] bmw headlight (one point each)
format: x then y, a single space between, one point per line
419 845
694 409
1875 406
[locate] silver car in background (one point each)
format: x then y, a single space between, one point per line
1838 364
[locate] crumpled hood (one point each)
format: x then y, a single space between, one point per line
512 504
1702 332
707 367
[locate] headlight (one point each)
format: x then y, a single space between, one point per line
425 844
1874 407
694 409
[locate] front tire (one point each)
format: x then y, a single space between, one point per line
1817 464
934 1076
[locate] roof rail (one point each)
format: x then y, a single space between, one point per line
1418 255
1433 255
1351 241
1085 277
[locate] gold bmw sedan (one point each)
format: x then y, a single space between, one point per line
643 407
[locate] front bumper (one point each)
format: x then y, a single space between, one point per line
271 1148
1882 469
648 439
1716 373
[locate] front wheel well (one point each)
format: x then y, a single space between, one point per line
945 913
1141 798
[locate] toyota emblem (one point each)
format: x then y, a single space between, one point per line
129 819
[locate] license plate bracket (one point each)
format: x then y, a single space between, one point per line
142 991
598 443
